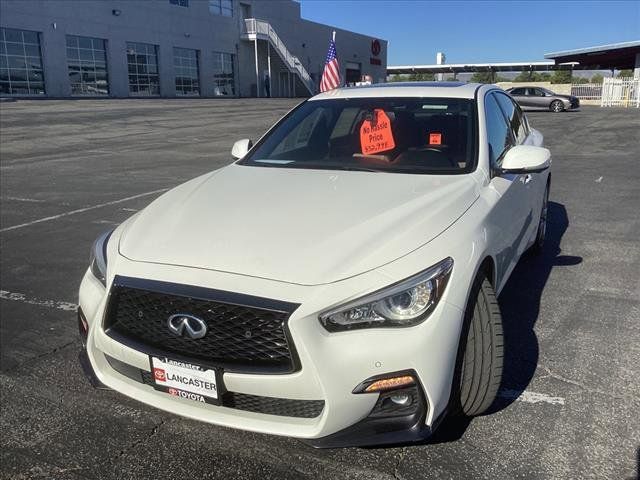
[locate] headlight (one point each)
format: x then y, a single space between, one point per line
98 257
404 304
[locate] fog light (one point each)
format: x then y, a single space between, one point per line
402 399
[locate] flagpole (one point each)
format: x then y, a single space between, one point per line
334 42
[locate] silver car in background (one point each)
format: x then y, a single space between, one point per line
538 97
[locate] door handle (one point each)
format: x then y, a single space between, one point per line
526 178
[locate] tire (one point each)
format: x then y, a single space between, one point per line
480 357
541 233
556 106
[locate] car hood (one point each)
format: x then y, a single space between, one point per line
300 226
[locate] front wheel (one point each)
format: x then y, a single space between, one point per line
556 106
480 358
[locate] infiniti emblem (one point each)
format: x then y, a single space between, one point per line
185 325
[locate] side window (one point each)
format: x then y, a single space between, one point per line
498 132
514 116
517 91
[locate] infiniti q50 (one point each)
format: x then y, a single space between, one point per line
337 281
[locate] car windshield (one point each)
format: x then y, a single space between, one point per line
401 135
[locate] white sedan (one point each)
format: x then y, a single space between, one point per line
338 282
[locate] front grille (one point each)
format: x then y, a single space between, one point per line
245 334
273 406
284 407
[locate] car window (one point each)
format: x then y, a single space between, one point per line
514 115
345 123
405 135
531 92
301 135
539 92
498 131
517 91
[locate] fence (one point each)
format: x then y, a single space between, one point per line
620 92
587 91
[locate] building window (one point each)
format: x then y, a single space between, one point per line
87 61
180 3
221 7
20 63
223 77
185 62
142 60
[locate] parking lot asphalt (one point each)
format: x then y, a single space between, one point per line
70 169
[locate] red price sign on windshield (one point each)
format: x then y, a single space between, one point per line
375 134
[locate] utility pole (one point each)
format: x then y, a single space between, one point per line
255 45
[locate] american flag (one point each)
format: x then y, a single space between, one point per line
331 74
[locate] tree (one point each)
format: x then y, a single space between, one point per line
422 77
561 76
580 80
483 77
529 76
597 78
625 73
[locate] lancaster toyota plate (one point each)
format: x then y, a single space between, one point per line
185 380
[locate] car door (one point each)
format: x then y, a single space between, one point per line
510 217
539 98
519 94
534 183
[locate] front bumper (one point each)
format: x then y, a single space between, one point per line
331 365
374 429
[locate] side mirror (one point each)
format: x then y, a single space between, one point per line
526 159
240 148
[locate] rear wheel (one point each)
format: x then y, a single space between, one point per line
556 106
480 357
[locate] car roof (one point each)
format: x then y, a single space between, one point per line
405 89
528 86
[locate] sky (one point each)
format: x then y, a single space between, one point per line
480 31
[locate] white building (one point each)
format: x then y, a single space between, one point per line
167 48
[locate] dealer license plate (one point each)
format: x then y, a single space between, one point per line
185 380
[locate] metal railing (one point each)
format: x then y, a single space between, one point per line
264 30
620 92
587 91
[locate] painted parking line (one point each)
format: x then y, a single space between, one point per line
81 210
21 297
21 199
530 397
